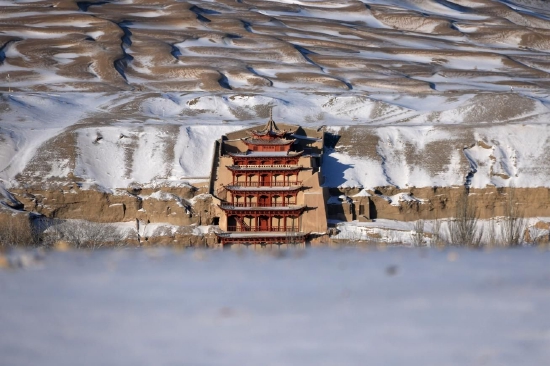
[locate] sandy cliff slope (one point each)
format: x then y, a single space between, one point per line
112 93
116 140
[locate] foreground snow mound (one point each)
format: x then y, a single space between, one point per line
318 307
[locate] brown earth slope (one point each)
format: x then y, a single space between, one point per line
251 45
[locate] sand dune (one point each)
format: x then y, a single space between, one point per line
146 45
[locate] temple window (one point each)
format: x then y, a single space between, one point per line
250 199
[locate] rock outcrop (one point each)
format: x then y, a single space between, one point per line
181 206
441 202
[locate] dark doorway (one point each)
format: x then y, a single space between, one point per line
264 201
231 223
263 223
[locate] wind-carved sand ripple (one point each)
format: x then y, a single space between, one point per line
409 46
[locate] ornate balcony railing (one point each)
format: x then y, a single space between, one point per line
258 228
264 167
254 205
266 184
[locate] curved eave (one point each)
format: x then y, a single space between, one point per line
306 138
262 238
263 234
254 154
239 210
236 168
279 134
258 142
241 189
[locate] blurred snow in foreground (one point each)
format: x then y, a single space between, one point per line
315 307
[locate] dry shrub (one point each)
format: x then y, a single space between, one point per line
16 231
491 237
514 223
418 234
538 236
84 235
463 229
437 237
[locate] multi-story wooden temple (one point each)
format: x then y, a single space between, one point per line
268 183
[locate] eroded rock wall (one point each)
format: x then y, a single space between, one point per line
182 206
186 206
441 202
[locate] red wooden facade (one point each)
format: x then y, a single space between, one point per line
243 159
262 204
284 238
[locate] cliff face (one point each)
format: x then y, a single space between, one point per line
177 216
181 206
441 202
187 206
151 172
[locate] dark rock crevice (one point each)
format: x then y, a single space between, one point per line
126 41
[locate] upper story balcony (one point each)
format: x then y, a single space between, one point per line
246 185
257 167
273 229
255 204
266 154
261 207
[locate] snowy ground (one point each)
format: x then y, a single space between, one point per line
318 307
383 231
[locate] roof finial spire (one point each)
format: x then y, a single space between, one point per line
271 124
